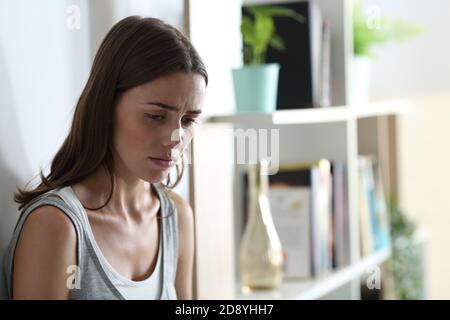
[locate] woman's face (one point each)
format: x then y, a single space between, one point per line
156 121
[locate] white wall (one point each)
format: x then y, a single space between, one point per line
215 31
43 67
424 178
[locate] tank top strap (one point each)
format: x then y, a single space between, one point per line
169 218
92 267
52 197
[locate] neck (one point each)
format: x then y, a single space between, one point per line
131 196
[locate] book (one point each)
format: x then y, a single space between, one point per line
325 67
364 206
374 220
383 239
316 178
341 253
290 206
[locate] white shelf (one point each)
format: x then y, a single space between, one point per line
317 115
319 287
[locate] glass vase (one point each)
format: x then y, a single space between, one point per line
261 257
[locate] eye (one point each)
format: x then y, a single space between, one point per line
155 117
189 121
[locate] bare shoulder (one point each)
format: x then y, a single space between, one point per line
45 249
48 224
185 216
184 208
51 219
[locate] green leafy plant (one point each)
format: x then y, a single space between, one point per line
369 31
401 225
259 32
406 263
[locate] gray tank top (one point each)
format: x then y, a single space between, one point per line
93 283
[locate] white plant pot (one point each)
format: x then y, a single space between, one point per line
361 69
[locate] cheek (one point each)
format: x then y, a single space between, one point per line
133 138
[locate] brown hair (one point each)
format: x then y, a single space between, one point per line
135 51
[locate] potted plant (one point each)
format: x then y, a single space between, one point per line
371 29
407 265
256 83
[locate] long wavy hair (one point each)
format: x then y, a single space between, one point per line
135 51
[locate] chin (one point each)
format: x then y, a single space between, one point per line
156 177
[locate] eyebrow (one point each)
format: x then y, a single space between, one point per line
169 107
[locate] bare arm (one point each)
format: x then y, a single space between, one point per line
46 248
183 281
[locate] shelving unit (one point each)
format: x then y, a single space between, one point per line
342 132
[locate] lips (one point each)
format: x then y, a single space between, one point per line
162 162
165 159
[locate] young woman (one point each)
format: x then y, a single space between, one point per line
103 224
